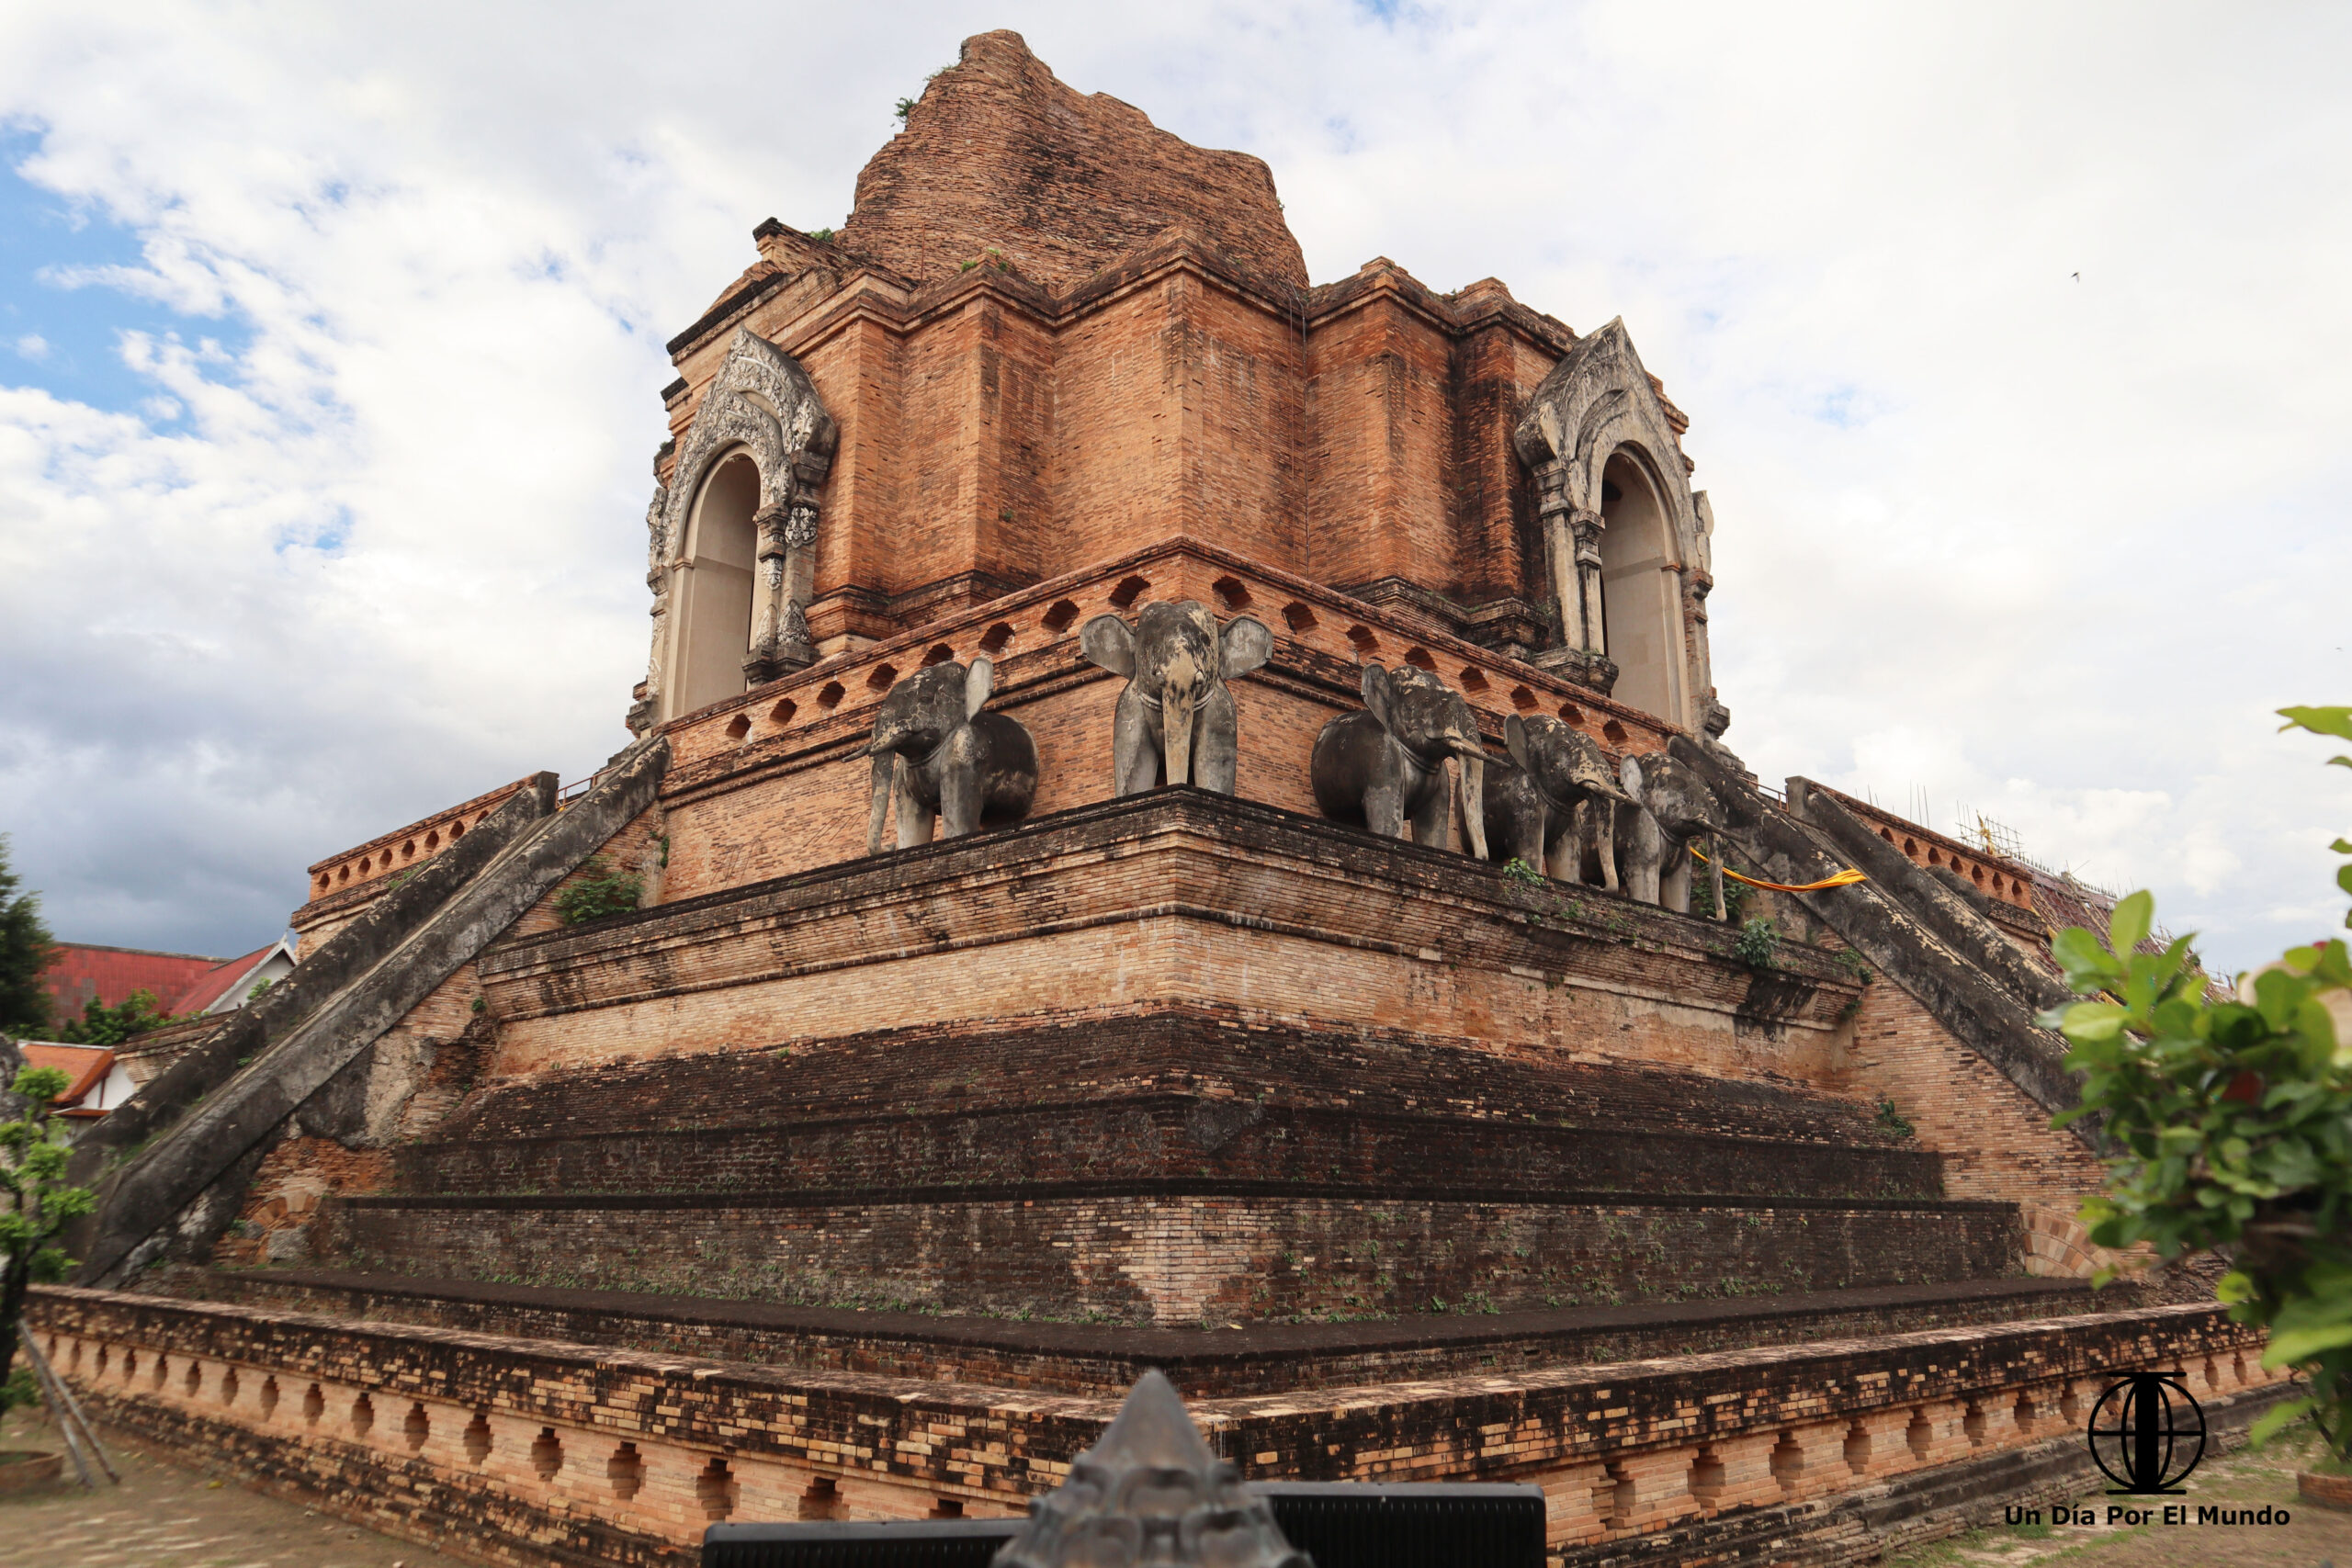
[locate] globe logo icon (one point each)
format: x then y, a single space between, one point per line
2147 1433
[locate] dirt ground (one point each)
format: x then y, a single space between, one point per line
2313 1537
173 1515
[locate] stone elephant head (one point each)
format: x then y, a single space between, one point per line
935 752
1385 767
1176 717
1671 807
1553 800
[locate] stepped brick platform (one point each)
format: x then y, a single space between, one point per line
1166 1091
523 1450
1619 1147
1175 897
1257 1357
1163 1255
1283 1165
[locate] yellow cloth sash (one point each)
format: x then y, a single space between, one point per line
1845 878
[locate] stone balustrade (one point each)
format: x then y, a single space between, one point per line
363 868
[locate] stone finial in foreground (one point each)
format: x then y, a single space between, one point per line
1151 1491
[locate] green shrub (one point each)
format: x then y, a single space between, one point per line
1758 944
1703 894
598 891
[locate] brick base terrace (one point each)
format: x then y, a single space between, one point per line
520 1449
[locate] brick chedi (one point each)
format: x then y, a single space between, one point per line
694 1146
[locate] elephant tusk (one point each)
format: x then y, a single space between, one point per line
1473 798
884 772
1176 732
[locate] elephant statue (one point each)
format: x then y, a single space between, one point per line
1555 796
1669 807
935 752
1385 766
1175 719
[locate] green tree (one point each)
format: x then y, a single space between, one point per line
2229 1125
24 954
135 1014
33 1152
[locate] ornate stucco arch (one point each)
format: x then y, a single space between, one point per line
760 406
1597 408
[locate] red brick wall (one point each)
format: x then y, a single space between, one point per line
1996 1143
988 426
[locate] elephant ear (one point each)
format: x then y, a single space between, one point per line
1629 775
1107 642
1244 645
979 682
1379 695
1515 742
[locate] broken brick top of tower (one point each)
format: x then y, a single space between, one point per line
999 154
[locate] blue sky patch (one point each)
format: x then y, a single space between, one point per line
68 341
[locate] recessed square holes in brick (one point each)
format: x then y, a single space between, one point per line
715 1490
626 1471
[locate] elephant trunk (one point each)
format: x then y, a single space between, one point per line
1177 704
1473 795
886 765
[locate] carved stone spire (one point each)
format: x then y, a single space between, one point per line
1151 1491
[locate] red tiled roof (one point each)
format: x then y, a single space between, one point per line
87 1066
211 986
81 971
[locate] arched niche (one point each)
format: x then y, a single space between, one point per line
1641 590
1625 537
714 609
731 535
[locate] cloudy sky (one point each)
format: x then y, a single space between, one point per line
2015 340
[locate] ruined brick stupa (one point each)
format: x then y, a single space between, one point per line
825 1179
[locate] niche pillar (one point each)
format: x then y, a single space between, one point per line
786 577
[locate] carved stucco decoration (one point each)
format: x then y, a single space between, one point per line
761 404
1597 403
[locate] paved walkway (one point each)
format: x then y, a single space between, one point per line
172 1516
2313 1537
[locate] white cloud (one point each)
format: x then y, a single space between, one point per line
32 347
2054 548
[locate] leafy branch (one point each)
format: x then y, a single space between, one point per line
2231 1123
